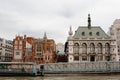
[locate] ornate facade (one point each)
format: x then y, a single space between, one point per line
115 34
24 49
29 49
44 50
90 43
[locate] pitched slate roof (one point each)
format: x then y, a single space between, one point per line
93 32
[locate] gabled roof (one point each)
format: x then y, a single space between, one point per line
93 32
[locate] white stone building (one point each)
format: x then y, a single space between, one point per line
90 43
115 34
6 47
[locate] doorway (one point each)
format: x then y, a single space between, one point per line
92 58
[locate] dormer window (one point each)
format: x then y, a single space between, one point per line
97 33
83 33
90 33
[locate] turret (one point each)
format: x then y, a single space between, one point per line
70 32
89 22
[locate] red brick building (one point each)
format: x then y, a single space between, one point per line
44 50
29 49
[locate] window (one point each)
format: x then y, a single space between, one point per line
38 58
41 58
17 53
107 58
84 58
38 47
97 33
76 58
38 54
83 33
90 33
48 49
0 48
92 47
84 48
76 48
28 49
99 48
107 47
48 57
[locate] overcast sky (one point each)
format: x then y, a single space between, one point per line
34 17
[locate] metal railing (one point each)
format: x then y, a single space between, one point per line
15 70
82 67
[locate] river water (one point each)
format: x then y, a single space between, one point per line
66 77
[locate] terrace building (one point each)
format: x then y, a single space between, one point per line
6 47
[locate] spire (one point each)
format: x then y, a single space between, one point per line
45 36
89 21
70 32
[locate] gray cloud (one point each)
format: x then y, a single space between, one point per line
34 17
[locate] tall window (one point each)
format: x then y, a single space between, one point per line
38 47
99 48
84 58
76 48
92 47
107 58
107 47
84 48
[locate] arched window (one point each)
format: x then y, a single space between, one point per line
99 45
83 33
92 47
97 33
84 48
107 47
90 33
76 48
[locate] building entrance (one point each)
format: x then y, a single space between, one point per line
92 58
